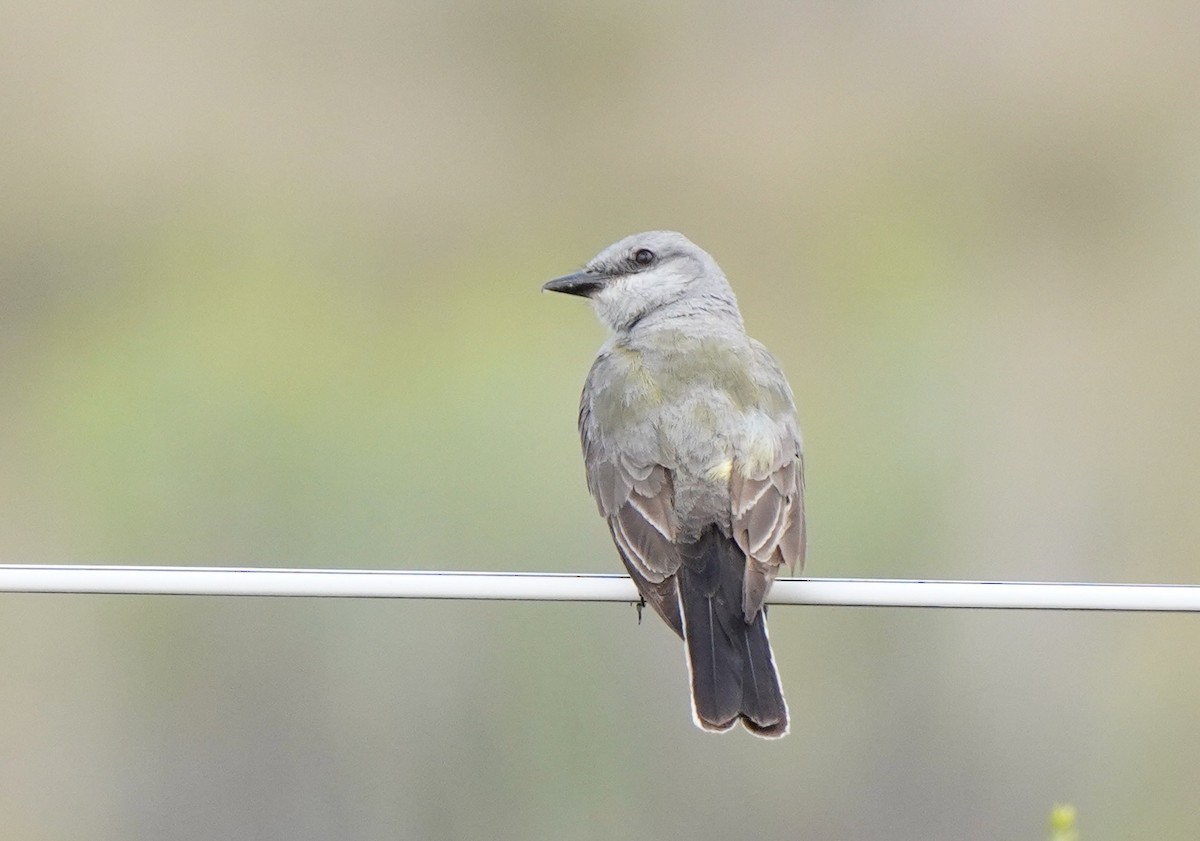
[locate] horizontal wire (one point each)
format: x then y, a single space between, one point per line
411 584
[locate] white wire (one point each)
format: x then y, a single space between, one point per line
408 584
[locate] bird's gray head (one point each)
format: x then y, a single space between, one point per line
657 273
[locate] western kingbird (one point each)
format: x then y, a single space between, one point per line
693 454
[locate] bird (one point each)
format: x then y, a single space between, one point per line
693 453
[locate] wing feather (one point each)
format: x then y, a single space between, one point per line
768 525
647 543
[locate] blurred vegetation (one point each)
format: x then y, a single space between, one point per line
268 295
1062 823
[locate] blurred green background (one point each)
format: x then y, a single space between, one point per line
269 296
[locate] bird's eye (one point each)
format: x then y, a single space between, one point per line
643 256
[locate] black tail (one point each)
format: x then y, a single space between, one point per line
733 671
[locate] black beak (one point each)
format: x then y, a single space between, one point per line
584 284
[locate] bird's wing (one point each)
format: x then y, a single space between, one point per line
767 502
768 525
635 495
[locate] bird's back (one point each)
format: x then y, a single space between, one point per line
696 403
